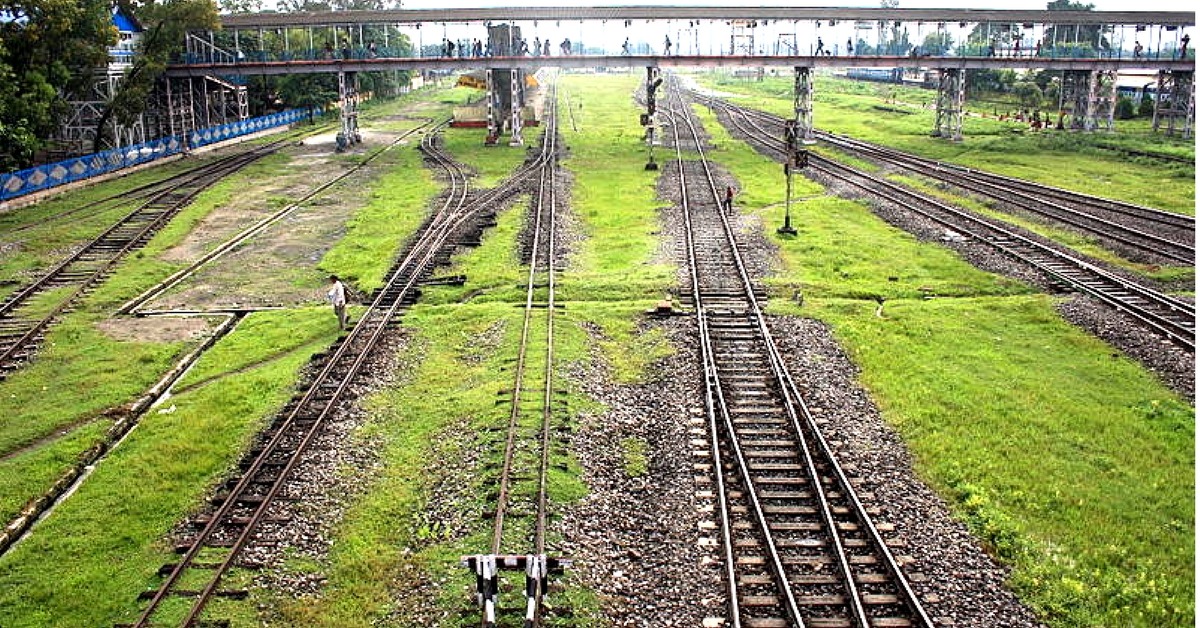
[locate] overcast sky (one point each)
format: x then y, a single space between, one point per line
1101 5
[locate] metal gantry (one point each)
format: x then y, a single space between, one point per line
1175 102
948 119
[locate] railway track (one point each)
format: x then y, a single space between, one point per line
1148 233
1169 317
799 546
215 541
527 443
25 315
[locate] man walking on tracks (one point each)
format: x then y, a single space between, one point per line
337 297
729 199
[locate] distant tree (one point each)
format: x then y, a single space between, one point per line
308 90
47 48
1085 38
336 5
937 43
1124 109
990 80
240 6
1146 107
1028 93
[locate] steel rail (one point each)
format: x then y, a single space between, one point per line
720 408
543 242
1139 239
519 371
1174 319
792 401
401 283
1004 189
1130 209
1032 188
548 181
714 405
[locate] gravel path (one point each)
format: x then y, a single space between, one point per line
637 537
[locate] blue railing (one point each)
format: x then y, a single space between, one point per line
46 176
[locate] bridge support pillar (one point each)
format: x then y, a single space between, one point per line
348 134
505 87
1089 97
1103 89
802 105
948 121
1175 102
494 126
517 101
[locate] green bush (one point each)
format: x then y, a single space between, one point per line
1146 108
1124 109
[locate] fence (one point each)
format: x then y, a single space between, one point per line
47 176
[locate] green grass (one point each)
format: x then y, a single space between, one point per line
1072 463
842 249
633 453
104 544
612 196
261 337
493 270
451 401
34 405
493 164
1068 160
28 474
399 203
140 491
1081 242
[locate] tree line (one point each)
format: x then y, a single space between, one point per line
51 49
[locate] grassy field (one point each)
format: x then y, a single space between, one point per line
104 544
853 108
1072 463
141 490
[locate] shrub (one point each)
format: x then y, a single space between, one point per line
1146 108
1124 110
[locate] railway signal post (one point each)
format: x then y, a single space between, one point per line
653 81
797 158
